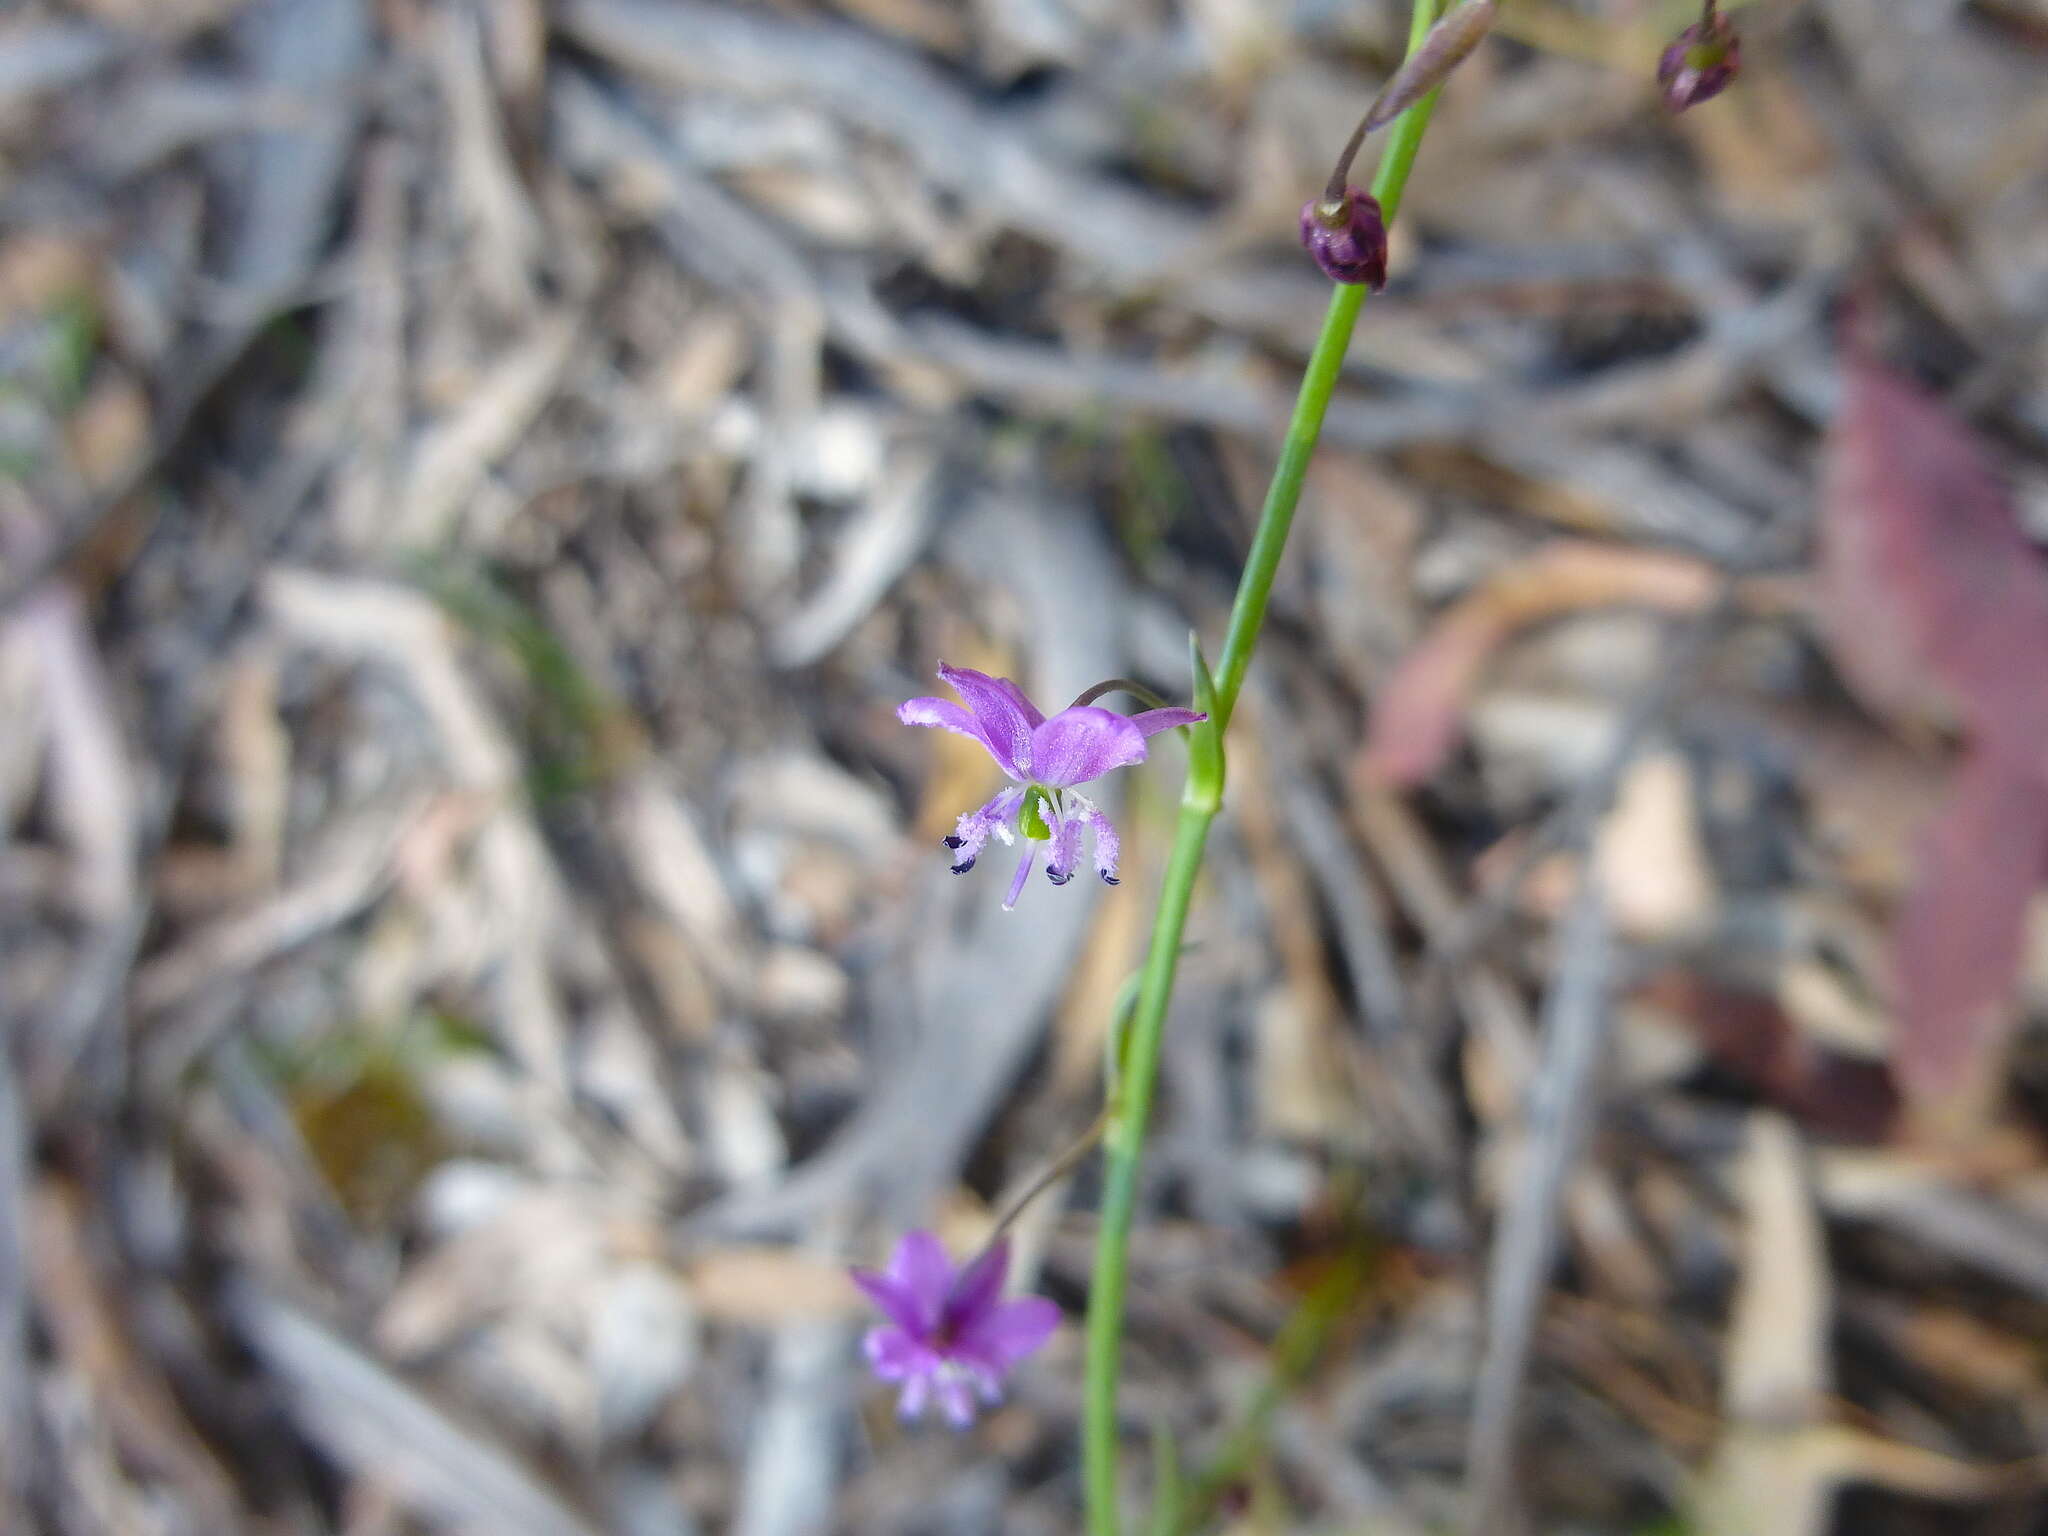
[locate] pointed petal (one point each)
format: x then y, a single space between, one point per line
1002 715
1025 707
978 1288
917 1391
1151 722
1077 745
1007 1332
943 713
897 1302
894 1355
1023 874
924 1275
956 1400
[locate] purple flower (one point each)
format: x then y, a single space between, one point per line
949 1333
1044 761
1702 61
1348 237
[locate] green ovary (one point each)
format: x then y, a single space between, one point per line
1031 815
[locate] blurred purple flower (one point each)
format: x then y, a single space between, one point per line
950 1334
1699 65
1044 760
1348 237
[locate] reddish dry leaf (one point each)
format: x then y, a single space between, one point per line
1933 602
1841 1097
1959 939
1417 720
1929 592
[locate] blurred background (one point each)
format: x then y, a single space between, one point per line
476 479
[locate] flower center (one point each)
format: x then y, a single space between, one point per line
1031 814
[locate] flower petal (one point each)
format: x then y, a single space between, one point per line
1007 1332
917 1391
977 1289
1003 717
1152 721
1025 707
924 1275
897 1303
943 713
1077 745
956 1400
894 1355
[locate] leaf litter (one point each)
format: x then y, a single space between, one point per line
475 482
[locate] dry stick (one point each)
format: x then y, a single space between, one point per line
1575 1019
17 1419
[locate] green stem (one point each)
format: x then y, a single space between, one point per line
1130 1104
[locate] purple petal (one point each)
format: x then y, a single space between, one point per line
924 1276
1002 715
1025 707
894 1355
898 1304
1023 874
956 1401
1077 745
1152 721
943 713
977 1289
917 1391
1007 1332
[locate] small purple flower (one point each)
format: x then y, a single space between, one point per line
1348 237
1699 65
949 1333
1044 760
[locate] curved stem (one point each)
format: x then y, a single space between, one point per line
1136 690
1130 1100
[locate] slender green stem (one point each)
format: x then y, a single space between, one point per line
1130 1102
1276 519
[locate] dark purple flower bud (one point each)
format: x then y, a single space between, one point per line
1699 65
1348 237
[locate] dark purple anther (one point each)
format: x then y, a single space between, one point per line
1111 880
954 842
1700 64
1057 876
1348 238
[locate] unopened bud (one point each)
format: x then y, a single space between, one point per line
1449 41
1700 63
1347 235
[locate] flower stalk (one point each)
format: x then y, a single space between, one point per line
1131 1092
